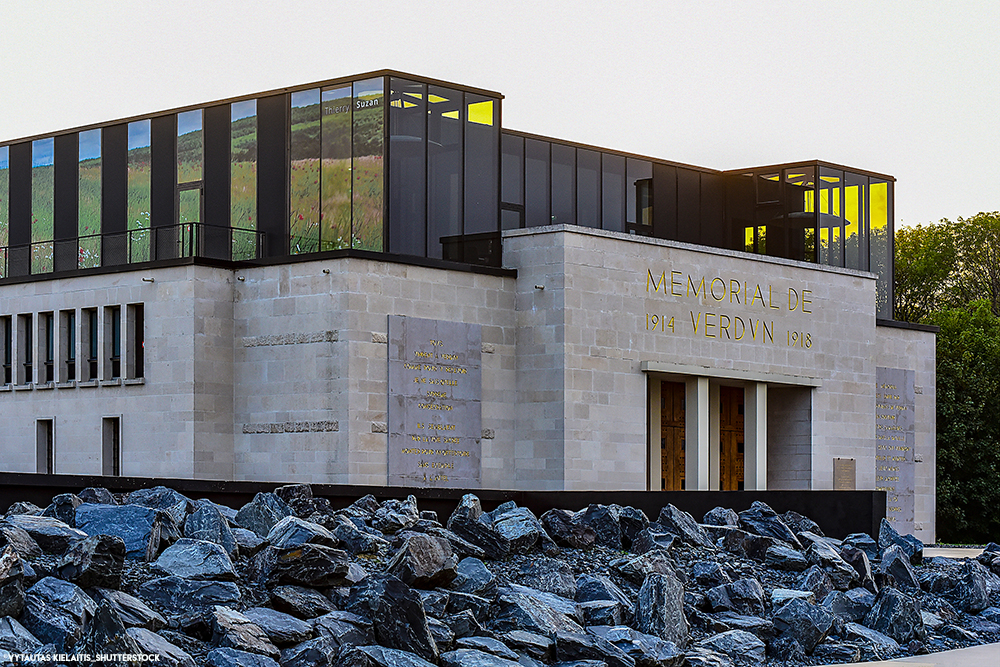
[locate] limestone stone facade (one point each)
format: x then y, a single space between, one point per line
279 372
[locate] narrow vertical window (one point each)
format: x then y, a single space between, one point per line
47 336
367 169
304 172
190 172
25 350
880 244
89 225
444 172
113 341
89 343
111 447
335 216
588 188
512 186
42 204
45 454
67 333
138 197
4 208
8 351
243 178
563 185
482 168
613 192
536 183
135 368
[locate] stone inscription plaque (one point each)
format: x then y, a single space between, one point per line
894 444
435 403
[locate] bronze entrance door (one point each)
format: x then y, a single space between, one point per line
731 438
672 435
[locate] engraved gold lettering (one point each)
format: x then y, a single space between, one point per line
712 289
700 286
724 327
674 283
805 300
792 292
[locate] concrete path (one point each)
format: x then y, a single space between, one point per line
951 552
987 655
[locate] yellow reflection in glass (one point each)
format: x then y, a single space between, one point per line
809 203
450 114
748 239
762 240
879 205
434 99
481 113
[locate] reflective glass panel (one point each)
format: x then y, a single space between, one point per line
4 200
513 169
563 185
880 215
367 167
613 192
854 221
189 205
536 183
408 172
335 216
42 204
639 173
304 172
444 168
243 177
800 220
831 223
89 221
588 188
482 135
190 146
138 197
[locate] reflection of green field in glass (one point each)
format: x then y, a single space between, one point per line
89 221
137 205
42 218
190 157
336 214
304 218
368 203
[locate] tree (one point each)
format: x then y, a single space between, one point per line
926 262
978 243
968 431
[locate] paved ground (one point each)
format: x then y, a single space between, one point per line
987 655
951 552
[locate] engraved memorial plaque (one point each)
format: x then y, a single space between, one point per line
844 477
895 440
435 403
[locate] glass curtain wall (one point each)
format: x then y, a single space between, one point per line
880 217
367 167
408 167
512 182
444 168
304 172
42 204
190 166
335 185
89 206
138 206
243 178
4 208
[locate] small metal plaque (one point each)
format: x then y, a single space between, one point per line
435 403
845 476
895 439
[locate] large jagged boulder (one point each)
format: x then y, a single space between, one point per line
50 534
262 513
896 615
744 595
548 574
396 515
132 611
141 528
207 523
424 561
736 644
566 532
19 540
233 629
888 536
196 559
175 595
63 507
807 623
106 634
95 561
470 523
519 526
56 612
659 609
682 524
760 519
396 613
162 498
11 582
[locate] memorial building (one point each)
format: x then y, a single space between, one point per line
369 281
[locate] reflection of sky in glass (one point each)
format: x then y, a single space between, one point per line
243 109
189 121
368 87
138 134
4 158
90 145
305 98
42 152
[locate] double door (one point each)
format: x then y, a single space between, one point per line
672 437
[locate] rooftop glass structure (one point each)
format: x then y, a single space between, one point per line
398 166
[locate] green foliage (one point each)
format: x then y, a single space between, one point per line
968 431
926 260
978 243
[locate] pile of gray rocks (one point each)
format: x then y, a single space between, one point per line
288 580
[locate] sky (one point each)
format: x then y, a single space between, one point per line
910 89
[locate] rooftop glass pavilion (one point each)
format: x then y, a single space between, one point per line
401 166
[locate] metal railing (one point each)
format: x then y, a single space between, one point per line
189 239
